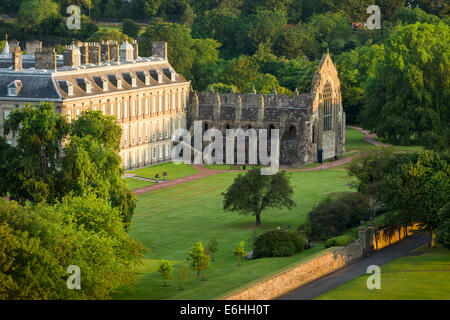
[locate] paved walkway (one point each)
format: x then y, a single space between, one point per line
205 172
354 270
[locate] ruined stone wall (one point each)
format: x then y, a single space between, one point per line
304 112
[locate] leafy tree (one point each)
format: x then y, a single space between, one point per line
88 28
262 27
105 35
240 71
40 243
39 170
406 99
335 214
130 28
203 265
179 40
240 252
211 249
388 8
331 31
33 12
254 6
266 83
165 269
419 190
221 87
355 67
443 234
411 16
91 161
188 16
222 25
196 257
182 274
252 192
144 9
295 42
30 170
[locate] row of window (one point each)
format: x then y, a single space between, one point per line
156 153
140 106
151 131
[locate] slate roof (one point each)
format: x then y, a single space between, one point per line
34 86
38 84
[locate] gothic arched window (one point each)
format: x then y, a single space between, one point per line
327 108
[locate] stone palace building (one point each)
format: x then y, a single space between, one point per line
150 100
146 95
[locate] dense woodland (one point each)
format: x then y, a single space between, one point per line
394 80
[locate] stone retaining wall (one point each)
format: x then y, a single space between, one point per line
301 274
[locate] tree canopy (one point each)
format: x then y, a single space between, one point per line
252 193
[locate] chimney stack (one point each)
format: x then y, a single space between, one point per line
105 51
32 46
159 50
13 44
84 53
136 49
94 53
72 56
45 58
114 54
17 59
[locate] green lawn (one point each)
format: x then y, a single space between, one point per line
173 170
136 184
354 140
170 220
415 277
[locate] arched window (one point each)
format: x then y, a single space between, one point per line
327 108
292 132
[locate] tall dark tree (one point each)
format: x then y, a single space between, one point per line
407 98
252 193
30 169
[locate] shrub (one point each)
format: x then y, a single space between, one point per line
278 243
339 241
337 213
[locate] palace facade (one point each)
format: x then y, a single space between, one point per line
146 95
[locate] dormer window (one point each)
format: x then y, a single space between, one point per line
66 86
101 82
12 92
84 84
130 78
144 77
14 88
115 80
156 75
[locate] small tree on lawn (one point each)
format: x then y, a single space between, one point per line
211 249
196 256
240 251
252 192
182 274
165 269
204 265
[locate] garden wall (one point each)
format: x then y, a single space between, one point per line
301 274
